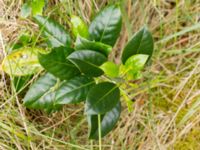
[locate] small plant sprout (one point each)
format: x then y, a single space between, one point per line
77 70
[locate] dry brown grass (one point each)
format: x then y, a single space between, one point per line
166 112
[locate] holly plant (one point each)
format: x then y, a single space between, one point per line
76 69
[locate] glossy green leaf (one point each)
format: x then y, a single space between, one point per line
108 122
21 62
84 44
55 34
75 90
37 7
110 69
106 26
79 27
88 62
140 43
25 10
56 63
41 94
48 94
102 98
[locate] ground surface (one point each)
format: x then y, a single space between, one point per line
166 113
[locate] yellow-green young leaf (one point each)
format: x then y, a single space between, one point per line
136 62
108 122
140 43
34 6
134 65
84 44
110 69
79 27
22 62
37 7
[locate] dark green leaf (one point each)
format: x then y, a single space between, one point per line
140 43
41 94
56 35
75 90
79 27
48 94
88 62
56 63
106 26
84 44
102 98
108 122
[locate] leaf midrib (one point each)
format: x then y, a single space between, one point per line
140 42
106 26
49 33
89 83
99 100
63 63
93 65
42 95
43 28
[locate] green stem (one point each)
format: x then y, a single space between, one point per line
127 99
99 127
